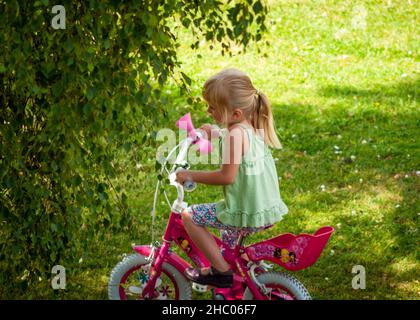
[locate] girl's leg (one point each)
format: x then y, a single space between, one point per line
205 242
230 237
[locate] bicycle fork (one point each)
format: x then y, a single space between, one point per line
155 268
157 261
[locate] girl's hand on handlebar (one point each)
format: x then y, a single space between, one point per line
208 128
182 175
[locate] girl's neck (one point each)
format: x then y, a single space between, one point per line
244 122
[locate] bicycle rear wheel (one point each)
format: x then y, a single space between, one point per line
281 286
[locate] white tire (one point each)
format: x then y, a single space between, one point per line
133 263
286 285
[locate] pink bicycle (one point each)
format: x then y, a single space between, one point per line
156 272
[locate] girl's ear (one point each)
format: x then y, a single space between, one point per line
237 114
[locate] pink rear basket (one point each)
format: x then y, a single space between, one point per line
292 252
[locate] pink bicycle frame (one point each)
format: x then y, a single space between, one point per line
175 232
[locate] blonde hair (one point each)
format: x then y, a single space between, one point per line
230 89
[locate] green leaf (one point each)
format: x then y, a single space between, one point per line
100 187
127 146
54 166
124 198
103 196
77 180
186 78
257 7
91 93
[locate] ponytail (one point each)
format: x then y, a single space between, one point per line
232 88
262 118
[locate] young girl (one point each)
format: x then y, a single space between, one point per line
248 174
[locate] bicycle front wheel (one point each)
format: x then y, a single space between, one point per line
130 276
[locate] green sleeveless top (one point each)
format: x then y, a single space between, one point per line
253 200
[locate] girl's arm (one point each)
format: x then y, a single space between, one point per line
231 159
212 131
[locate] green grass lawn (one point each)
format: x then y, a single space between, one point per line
343 82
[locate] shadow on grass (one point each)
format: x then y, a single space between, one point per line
406 91
374 140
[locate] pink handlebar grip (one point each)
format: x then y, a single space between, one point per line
185 123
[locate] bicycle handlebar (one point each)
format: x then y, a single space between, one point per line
194 137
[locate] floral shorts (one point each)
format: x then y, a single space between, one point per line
205 215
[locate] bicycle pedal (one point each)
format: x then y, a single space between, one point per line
199 287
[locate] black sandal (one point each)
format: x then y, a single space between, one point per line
214 278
